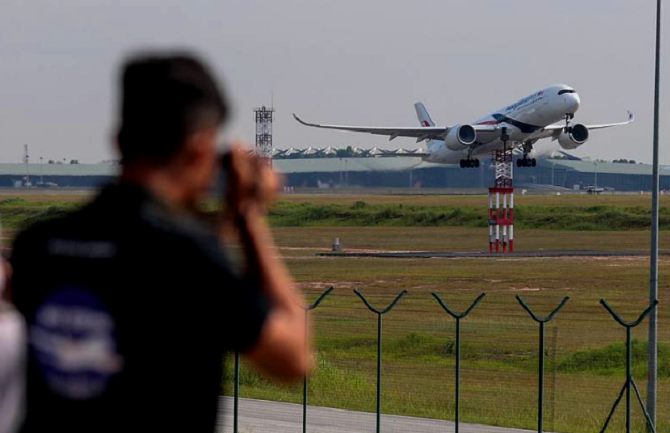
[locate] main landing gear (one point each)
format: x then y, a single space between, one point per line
469 163
525 161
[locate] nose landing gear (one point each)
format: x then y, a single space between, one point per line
568 118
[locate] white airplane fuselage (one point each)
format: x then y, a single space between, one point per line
524 119
546 114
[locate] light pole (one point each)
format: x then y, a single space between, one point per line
595 175
41 173
653 266
553 166
26 160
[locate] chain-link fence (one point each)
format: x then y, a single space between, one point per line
500 378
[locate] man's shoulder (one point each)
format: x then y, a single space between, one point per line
132 222
51 225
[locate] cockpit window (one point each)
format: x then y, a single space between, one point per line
566 91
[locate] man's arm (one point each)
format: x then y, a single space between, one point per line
283 346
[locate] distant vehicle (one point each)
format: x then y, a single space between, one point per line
543 114
597 190
46 185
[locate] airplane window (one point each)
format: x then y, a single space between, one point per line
566 91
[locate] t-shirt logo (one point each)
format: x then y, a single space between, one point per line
73 342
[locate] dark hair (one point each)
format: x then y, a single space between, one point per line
164 99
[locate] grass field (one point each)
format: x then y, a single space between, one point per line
499 384
583 214
585 354
585 366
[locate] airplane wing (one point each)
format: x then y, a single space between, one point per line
558 126
408 154
421 133
631 119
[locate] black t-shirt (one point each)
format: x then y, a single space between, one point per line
130 307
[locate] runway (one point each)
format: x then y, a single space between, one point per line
259 416
486 254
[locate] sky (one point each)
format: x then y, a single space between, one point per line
359 62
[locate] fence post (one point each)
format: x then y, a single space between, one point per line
458 318
554 336
304 379
379 314
630 381
541 321
236 392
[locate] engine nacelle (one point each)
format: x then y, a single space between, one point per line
578 135
460 137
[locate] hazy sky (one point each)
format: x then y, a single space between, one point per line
357 62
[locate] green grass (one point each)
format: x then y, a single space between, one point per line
545 213
361 214
584 369
18 213
584 364
611 359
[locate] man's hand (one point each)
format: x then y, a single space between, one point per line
252 187
5 281
284 345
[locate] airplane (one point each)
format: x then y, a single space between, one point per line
544 114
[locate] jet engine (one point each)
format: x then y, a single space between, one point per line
576 136
460 137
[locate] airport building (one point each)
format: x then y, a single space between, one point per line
376 171
57 175
412 172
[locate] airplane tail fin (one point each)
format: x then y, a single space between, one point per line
422 115
424 120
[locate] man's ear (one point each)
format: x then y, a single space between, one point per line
199 145
117 143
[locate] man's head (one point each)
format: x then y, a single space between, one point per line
171 109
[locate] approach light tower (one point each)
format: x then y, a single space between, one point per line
264 118
501 215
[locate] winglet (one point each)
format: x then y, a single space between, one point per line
631 117
295 116
306 123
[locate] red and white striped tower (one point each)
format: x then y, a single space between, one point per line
501 218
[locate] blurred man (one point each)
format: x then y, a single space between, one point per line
12 358
130 302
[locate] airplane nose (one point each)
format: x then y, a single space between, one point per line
572 102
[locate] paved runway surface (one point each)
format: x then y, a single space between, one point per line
258 416
5 191
486 254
